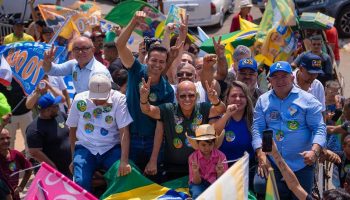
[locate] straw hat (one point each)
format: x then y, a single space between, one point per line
245 4
205 132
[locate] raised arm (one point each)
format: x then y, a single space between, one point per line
207 74
288 175
221 123
125 53
218 107
222 66
148 109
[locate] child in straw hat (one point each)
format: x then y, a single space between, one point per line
206 162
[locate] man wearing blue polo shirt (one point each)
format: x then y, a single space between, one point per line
142 130
295 117
81 68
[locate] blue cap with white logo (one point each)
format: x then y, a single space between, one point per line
248 63
280 66
48 100
312 63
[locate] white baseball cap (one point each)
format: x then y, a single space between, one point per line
99 87
245 3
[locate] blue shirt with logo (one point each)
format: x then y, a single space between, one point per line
296 121
159 94
238 139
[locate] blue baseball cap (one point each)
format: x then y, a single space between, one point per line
312 63
48 100
248 63
280 66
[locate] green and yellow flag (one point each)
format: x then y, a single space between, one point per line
137 186
271 187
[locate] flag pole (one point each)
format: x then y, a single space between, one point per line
60 29
17 106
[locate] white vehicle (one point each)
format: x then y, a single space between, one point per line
20 9
202 12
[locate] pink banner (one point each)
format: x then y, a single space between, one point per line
51 184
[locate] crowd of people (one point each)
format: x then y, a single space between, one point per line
175 113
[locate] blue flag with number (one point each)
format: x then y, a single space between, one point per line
26 60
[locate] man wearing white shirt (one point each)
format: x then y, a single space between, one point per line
99 130
305 77
81 68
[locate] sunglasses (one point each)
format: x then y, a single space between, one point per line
186 74
190 96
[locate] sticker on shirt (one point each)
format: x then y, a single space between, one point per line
188 144
61 125
107 109
274 115
87 116
198 119
75 76
81 106
104 132
293 125
152 97
89 128
230 136
97 113
178 120
179 128
9 88
292 110
177 143
193 127
109 119
12 166
279 136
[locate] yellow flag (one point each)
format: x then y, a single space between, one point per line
247 25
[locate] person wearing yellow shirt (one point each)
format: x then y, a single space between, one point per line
18 34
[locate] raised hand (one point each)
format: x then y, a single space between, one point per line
219 48
170 28
219 168
195 166
145 90
231 109
139 17
183 27
209 61
49 55
212 94
175 51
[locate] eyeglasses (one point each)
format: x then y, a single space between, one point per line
184 96
186 74
83 49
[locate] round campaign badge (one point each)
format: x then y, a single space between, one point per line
178 120
97 113
89 128
109 119
9 88
104 132
279 136
177 143
293 125
193 127
81 106
75 76
179 128
230 136
152 97
87 116
188 144
107 108
12 166
199 119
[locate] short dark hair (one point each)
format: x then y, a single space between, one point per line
109 45
158 48
120 77
174 38
336 194
316 38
